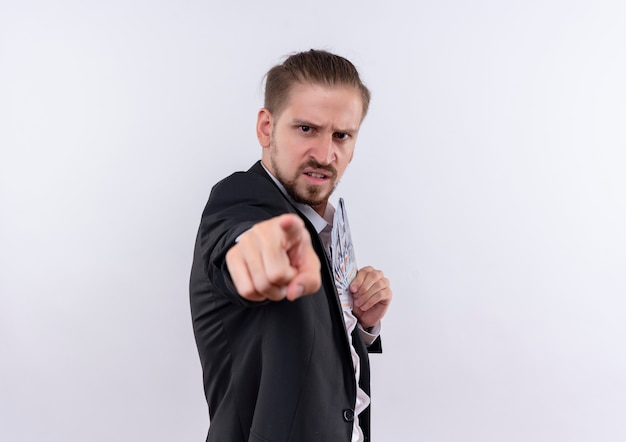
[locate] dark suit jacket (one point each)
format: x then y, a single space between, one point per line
273 371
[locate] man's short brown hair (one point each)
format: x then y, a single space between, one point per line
314 67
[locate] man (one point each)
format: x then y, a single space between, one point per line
281 360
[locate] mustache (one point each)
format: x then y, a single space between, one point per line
315 165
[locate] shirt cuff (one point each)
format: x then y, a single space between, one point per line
370 336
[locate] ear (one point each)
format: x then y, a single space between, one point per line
264 126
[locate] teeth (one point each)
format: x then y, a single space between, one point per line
316 175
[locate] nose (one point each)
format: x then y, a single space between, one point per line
324 150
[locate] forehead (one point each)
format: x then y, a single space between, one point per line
320 103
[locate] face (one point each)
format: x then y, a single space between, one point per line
309 144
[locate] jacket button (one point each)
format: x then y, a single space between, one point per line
348 415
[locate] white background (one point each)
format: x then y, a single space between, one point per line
488 183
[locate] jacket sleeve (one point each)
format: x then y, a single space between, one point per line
235 205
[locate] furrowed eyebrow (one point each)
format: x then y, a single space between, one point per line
308 123
304 123
346 131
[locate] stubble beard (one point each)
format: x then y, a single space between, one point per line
313 196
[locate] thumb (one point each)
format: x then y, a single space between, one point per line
304 284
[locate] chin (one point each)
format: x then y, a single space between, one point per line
313 199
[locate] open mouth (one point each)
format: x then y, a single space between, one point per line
316 175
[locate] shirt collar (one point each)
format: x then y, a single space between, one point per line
318 221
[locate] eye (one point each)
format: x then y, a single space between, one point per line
306 129
341 136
